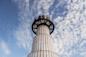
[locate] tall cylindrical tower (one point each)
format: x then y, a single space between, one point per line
42 43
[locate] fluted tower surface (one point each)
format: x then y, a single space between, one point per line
42 43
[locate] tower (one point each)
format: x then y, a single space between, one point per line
42 43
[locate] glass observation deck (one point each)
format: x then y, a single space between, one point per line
42 20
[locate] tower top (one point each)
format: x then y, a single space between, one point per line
42 20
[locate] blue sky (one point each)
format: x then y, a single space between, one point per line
8 23
16 17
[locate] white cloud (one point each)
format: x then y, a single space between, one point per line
5 48
72 29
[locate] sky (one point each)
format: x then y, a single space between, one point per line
16 17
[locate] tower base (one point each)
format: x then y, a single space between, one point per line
42 54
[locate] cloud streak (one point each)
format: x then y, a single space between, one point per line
5 48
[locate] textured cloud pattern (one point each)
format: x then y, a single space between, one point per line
69 17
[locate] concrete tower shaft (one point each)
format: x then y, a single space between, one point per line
43 40
42 43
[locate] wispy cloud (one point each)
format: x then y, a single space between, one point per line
4 46
69 31
23 33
